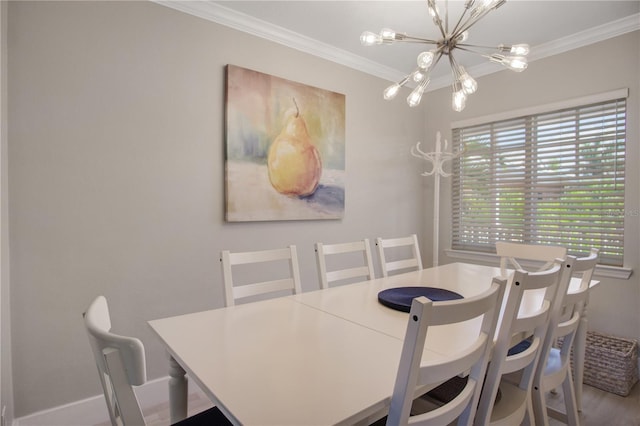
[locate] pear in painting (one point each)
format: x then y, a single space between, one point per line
293 161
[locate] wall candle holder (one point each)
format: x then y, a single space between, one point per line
437 160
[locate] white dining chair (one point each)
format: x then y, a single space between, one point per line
515 403
254 282
398 254
554 366
537 257
354 262
121 365
471 361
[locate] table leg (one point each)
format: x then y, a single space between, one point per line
579 350
178 391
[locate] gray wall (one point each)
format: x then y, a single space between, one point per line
116 138
116 174
6 385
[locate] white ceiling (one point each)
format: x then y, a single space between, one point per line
331 29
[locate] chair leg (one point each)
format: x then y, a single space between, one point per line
570 415
529 416
539 406
570 400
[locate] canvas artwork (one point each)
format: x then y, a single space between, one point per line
285 149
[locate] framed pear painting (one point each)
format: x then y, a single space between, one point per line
285 149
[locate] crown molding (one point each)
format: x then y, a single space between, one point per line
242 22
587 37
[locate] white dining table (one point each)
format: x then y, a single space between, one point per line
318 358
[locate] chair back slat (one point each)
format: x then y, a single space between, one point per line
343 268
234 291
537 257
393 265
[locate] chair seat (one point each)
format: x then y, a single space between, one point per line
522 346
510 408
211 417
446 392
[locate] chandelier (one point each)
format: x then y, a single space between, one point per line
512 57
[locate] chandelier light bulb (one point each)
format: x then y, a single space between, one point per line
391 92
497 3
434 12
462 37
468 83
486 6
458 100
516 49
416 95
519 49
491 4
418 75
478 10
387 35
433 9
414 98
516 63
425 60
368 38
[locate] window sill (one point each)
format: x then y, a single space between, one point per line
602 271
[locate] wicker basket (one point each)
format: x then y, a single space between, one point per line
610 363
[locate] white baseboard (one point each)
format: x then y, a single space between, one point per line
93 410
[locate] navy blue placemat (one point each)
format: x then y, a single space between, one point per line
400 298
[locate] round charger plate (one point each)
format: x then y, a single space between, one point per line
400 298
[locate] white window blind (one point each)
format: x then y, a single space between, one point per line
549 178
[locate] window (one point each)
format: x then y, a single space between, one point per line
545 178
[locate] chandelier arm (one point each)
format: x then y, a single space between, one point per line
438 20
454 69
455 31
462 47
477 46
435 61
468 23
413 39
471 21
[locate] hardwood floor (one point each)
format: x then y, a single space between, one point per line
603 408
599 408
159 415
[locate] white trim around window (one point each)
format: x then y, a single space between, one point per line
539 109
602 271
